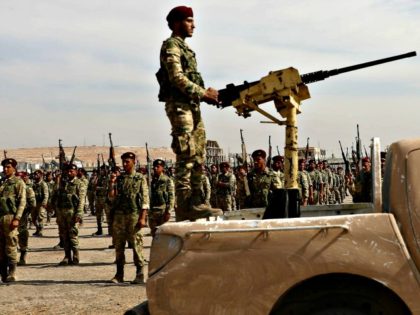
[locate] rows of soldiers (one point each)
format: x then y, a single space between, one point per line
121 198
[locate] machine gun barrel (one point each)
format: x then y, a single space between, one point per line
232 92
322 75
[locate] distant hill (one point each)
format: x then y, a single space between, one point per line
86 154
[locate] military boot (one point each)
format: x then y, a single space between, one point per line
99 231
67 258
139 279
40 229
22 259
119 276
199 210
12 273
203 211
75 260
3 271
59 245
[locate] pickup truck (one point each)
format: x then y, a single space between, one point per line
348 259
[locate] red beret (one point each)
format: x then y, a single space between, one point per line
179 14
366 160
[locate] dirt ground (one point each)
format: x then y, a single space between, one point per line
43 287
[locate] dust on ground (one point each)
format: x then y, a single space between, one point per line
43 287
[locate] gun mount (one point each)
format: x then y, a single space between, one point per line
266 89
287 88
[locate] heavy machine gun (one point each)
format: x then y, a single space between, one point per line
287 88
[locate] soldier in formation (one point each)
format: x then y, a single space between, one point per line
70 205
23 236
162 200
129 197
39 212
226 188
12 206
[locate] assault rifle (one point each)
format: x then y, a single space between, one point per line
270 152
149 171
346 162
5 154
73 156
228 95
307 149
243 150
111 161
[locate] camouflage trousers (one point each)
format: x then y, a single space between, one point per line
91 200
225 202
68 229
101 209
188 143
23 231
156 217
125 229
39 215
8 241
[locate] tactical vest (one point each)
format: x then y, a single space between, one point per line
159 195
8 197
167 91
129 198
39 192
68 196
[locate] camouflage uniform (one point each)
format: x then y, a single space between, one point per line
261 185
39 213
23 223
91 194
12 205
213 184
242 192
181 90
70 205
131 196
50 207
101 206
162 200
303 184
317 182
226 184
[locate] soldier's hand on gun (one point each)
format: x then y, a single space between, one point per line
211 96
14 224
77 220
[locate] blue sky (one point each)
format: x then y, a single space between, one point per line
77 70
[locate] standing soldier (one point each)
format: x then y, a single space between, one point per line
278 167
317 183
242 188
129 196
50 183
262 180
101 191
70 205
82 175
12 205
23 223
225 188
182 89
213 183
162 200
91 191
303 183
39 213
